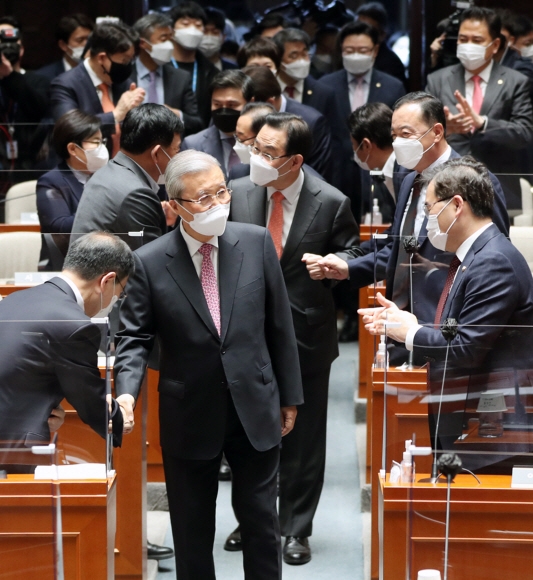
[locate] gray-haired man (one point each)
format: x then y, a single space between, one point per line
212 293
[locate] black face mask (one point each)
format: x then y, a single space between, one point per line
118 72
225 119
11 50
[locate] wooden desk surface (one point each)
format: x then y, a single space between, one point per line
8 228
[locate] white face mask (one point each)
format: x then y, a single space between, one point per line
162 52
210 45
243 152
96 158
161 178
437 238
261 173
527 52
104 311
409 152
77 52
472 56
299 69
357 64
211 222
190 37
362 164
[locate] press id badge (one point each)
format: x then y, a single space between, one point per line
12 149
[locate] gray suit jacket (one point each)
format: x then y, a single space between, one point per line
323 223
119 199
208 141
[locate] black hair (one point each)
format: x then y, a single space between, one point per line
146 25
486 15
68 24
99 253
265 84
431 108
373 122
187 10
376 11
299 136
258 112
11 20
233 79
229 48
357 27
73 127
149 125
216 17
291 35
112 38
517 24
272 20
468 178
259 47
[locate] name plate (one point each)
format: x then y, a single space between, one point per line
29 217
522 477
33 278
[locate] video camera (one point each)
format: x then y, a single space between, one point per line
449 46
10 44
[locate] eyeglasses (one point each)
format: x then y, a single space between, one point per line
97 142
429 206
242 140
266 156
207 200
123 294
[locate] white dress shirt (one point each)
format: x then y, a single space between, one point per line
298 89
292 195
75 289
388 173
366 84
143 81
469 83
197 258
96 80
66 64
79 175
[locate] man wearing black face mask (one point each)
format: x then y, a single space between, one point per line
101 86
230 91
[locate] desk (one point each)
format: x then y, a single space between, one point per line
490 528
26 528
7 228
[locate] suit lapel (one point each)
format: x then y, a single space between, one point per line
344 96
494 88
456 82
230 262
257 205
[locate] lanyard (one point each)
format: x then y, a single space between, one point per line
194 72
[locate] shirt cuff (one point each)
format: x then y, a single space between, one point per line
410 337
484 127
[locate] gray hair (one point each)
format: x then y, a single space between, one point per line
99 253
184 163
146 25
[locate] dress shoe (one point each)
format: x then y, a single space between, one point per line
233 541
296 550
224 473
156 552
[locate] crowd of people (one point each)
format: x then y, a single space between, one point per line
160 134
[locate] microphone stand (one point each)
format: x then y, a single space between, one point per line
410 244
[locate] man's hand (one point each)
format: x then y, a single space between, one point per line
460 123
466 109
127 403
56 419
170 215
333 267
374 319
288 417
128 101
315 270
6 68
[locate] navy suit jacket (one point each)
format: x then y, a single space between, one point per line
58 196
208 141
52 70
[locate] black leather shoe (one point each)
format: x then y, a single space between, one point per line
233 541
296 551
224 473
156 552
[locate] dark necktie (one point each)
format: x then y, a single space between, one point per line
233 158
289 91
454 264
400 288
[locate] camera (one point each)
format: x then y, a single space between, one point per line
10 44
449 46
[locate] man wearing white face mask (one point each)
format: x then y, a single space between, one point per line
214 38
488 107
164 84
188 21
212 293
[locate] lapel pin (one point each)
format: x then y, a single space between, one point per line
500 81
463 268
309 92
378 85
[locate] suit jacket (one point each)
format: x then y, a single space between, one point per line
389 62
323 223
255 356
52 70
426 290
58 196
178 94
119 199
49 352
208 141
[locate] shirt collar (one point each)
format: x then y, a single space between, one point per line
283 103
442 159
194 245
75 289
142 71
388 168
484 74
299 85
464 248
79 175
366 77
66 64
224 136
290 193
96 80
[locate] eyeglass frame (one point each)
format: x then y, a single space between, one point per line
266 156
212 196
242 140
97 142
123 294
429 206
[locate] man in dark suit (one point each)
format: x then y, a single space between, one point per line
358 83
214 37
305 216
230 91
101 85
212 294
488 107
162 83
188 21
489 293
49 345
417 117
122 196
72 34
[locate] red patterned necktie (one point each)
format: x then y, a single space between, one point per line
290 91
454 264
275 224
209 284
477 96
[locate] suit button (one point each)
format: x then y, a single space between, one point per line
223 383
223 352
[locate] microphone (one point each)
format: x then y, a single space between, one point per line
449 465
410 245
5 200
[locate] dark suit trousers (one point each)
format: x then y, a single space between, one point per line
192 487
303 459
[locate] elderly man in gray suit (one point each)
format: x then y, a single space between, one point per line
122 196
488 107
305 216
